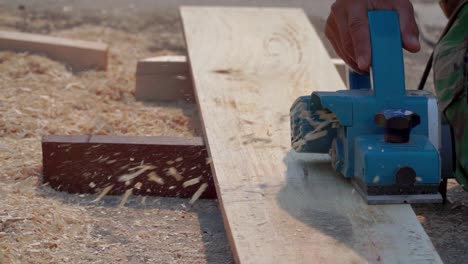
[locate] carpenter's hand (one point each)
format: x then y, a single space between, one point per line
348 30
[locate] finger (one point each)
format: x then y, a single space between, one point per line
359 31
408 27
345 37
332 34
331 31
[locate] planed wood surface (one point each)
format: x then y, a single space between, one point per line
78 54
161 166
248 66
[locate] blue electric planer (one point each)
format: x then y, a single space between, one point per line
384 138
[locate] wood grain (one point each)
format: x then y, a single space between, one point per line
248 66
78 54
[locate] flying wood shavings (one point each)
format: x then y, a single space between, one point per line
326 115
154 177
191 182
131 176
321 126
174 173
314 136
376 179
125 197
304 114
198 193
297 145
104 192
138 185
312 122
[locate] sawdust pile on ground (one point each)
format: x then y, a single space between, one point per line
36 229
39 96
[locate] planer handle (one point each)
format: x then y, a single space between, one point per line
387 73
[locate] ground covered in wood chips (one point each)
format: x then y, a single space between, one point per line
39 96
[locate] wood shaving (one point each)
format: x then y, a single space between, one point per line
198 193
131 176
103 193
327 116
138 185
125 197
314 136
297 145
174 173
154 177
321 126
191 182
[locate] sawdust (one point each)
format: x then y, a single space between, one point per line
44 227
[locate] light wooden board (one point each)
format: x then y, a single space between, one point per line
78 54
248 67
164 78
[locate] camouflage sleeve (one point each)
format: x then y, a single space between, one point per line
451 84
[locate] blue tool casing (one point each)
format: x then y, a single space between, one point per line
362 149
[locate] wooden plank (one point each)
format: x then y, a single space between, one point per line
248 66
88 164
78 54
164 78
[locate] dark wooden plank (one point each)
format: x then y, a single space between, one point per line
88 164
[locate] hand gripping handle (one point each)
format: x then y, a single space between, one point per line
387 67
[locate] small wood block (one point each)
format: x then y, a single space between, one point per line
164 78
88 164
78 54
342 69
